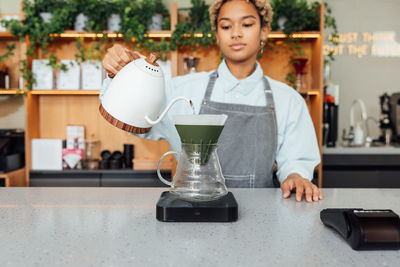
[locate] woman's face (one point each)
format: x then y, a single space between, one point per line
239 31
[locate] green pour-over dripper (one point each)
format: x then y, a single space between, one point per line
203 129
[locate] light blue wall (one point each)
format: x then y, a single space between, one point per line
365 77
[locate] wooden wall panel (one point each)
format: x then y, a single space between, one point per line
57 112
275 63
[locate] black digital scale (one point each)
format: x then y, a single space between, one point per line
365 229
173 209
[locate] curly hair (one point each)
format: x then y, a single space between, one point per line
263 8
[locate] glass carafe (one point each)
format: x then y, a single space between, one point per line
198 175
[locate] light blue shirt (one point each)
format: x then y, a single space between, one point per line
297 150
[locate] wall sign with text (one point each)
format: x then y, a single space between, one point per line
376 44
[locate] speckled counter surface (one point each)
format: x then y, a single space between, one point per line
117 227
391 150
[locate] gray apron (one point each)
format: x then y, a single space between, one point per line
247 145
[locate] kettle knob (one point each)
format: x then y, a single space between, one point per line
152 59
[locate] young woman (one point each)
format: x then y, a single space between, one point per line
267 121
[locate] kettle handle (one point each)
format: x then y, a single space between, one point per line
159 165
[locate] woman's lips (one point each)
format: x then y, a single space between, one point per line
237 46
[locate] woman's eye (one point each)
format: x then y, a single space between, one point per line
225 27
247 25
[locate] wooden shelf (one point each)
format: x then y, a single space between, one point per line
64 92
96 92
11 91
6 34
297 35
75 34
310 93
167 34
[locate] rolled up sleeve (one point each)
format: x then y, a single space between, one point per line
299 151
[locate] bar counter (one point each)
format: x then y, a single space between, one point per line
117 227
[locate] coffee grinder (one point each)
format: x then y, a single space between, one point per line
395 115
385 121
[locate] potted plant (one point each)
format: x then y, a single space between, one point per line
158 21
90 16
114 10
46 8
198 22
295 15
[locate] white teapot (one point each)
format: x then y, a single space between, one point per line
135 96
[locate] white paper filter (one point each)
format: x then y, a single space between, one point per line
201 119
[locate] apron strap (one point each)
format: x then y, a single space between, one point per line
210 86
268 95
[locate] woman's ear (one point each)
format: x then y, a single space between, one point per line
264 32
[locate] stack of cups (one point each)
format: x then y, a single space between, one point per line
128 156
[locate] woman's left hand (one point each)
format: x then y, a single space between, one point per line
302 186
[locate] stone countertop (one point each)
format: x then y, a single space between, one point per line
391 150
117 227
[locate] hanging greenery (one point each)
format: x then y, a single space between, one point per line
41 30
136 15
195 30
295 15
38 30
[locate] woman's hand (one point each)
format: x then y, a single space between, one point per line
302 186
116 58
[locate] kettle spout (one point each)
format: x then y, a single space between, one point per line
173 101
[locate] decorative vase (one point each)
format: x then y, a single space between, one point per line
46 16
81 22
281 22
156 23
114 23
299 65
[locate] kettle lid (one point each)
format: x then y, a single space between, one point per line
149 65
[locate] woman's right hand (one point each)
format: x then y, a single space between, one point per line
116 58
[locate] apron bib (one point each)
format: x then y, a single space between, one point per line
247 145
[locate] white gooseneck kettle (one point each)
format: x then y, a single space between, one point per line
135 96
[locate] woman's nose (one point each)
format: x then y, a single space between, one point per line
236 33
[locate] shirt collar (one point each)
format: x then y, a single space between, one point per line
243 86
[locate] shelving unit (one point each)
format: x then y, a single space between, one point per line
12 63
64 92
13 178
168 34
6 34
12 91
48 112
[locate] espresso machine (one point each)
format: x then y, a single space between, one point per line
395 116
